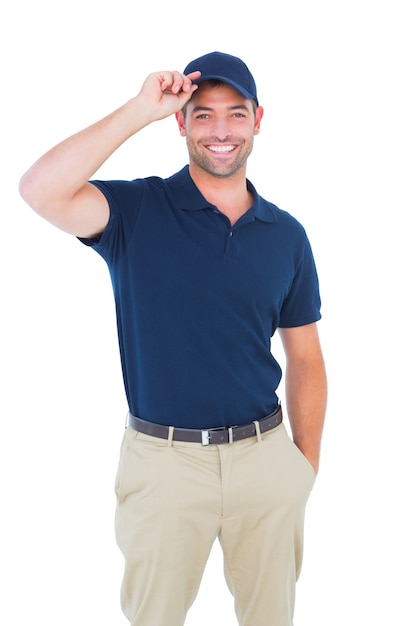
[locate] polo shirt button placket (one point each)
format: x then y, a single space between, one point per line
230 251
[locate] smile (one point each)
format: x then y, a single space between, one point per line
225 148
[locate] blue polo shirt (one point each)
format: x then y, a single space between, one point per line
197 300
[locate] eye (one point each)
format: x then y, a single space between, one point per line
239 113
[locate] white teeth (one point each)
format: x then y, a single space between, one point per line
221 148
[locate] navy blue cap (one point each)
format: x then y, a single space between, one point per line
226 68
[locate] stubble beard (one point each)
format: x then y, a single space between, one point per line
208 164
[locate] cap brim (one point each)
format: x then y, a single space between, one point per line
244 92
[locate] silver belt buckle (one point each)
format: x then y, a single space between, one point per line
205 437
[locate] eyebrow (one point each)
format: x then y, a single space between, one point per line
235 107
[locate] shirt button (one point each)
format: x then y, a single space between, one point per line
231 234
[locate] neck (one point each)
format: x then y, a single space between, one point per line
230 194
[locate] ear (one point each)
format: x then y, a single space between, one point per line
258 117
179 116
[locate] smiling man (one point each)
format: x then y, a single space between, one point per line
204 272
220 133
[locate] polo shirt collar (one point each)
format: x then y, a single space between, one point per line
188 197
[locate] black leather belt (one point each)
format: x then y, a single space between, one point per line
211 436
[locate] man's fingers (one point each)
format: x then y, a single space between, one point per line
175 82
167 92
194 75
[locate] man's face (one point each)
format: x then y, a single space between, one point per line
219 127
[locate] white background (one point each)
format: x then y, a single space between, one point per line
338 150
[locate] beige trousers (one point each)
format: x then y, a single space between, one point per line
174 499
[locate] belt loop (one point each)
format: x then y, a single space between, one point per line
258 431
127 419
170 436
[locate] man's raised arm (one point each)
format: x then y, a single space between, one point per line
57 187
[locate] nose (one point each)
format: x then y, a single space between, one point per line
221 129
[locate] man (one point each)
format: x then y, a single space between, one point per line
204 271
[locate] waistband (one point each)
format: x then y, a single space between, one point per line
210 436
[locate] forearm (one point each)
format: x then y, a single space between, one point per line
306 397
60 173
